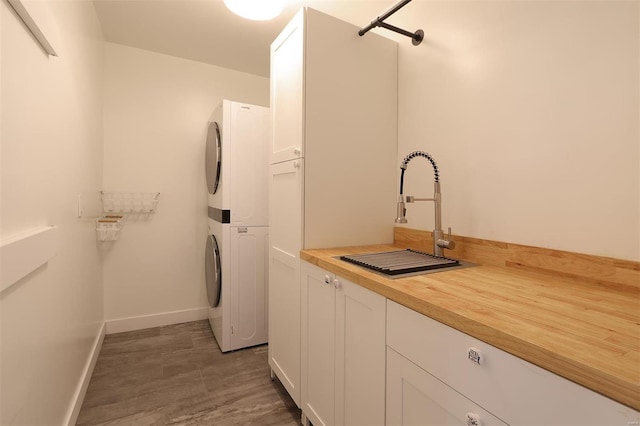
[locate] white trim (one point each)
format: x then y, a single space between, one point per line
81 389
24 253
155 320
37 21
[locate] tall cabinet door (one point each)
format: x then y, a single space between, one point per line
318 344
285 219
287 81
360 355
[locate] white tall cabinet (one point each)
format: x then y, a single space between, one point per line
333 159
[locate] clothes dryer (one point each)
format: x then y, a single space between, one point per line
237 243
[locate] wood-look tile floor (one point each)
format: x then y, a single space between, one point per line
177 375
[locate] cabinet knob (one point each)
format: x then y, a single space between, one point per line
474 355
296 151
336 283
473 419
296 164
327 279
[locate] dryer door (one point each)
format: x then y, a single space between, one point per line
212 157
213 274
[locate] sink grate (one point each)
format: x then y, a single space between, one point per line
400 262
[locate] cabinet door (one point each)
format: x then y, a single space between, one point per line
318 344
284 273
415 397
360 355
287 108
248 166
248 289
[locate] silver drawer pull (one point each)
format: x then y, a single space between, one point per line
473 419
474 355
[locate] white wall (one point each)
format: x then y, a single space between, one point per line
531 109
51 151
155 117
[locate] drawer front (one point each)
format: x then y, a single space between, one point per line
415 397
514 390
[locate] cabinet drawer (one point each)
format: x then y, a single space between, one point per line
514 390
415 397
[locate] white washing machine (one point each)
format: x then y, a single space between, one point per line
237 245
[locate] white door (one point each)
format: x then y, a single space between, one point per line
360 355
248 140
285 220
318 327
287 80
248 275
416 398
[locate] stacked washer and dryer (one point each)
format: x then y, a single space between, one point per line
237 245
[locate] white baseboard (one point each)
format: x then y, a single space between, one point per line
81 389
155 320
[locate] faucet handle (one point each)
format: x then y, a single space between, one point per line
449 243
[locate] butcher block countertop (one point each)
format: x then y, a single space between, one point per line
575 315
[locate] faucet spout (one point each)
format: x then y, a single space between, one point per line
400 218
439 242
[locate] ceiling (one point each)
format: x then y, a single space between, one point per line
205 31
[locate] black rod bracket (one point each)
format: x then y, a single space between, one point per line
416 37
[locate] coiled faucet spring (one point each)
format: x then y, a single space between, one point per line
439 242
426 155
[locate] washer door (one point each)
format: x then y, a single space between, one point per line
212 272
212 157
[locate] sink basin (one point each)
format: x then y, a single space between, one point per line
403 263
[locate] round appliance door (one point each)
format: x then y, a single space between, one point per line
212 272
212 157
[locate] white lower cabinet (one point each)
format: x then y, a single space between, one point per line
436 375
415 397
343 350
366 360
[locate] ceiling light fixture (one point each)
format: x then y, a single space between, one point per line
257 10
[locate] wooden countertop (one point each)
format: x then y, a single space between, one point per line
587 332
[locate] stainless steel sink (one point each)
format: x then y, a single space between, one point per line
403 263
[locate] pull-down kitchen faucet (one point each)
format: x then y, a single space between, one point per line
439 242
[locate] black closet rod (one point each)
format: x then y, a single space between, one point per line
416 37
